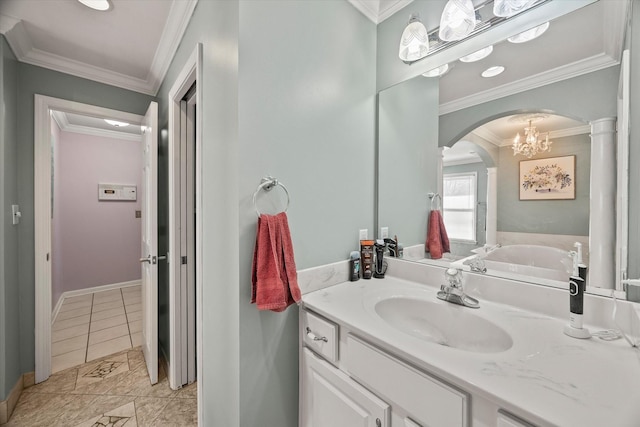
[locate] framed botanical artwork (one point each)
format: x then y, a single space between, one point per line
548 179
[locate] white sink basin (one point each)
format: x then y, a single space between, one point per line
444 323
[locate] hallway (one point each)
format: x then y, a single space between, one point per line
111 391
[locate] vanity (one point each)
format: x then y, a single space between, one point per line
387 352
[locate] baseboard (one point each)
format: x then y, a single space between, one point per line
7 406
86 291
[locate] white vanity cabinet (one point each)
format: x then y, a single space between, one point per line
367 387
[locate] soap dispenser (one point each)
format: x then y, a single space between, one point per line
576 301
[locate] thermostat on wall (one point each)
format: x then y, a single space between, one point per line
117 192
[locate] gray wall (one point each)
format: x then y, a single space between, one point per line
588 97
306 116
35 80
569 217
408 157
10 369
461 248
301 107
215 24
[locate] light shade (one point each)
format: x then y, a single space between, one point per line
529 35
414 43
477 56
101 5
437 72
507 8
458 20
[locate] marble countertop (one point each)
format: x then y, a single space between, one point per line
546 377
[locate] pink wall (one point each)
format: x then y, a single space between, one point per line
98 243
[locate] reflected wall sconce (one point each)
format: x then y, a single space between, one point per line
507 8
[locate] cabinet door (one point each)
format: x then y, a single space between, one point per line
330 398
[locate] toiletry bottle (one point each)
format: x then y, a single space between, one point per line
354 266
366 252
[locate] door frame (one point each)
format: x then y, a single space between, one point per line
191 73
42 214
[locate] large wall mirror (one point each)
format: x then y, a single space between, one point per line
453 136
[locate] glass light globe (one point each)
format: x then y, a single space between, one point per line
414 43
458 20
477 56
507 8
529 35
437 72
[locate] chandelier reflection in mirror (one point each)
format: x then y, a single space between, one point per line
531 144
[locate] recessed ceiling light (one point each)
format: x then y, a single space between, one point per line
117 123
529 35
493 71
477 56
101 5
437 72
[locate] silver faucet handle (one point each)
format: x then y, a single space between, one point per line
454 277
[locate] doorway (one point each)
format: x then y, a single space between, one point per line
43 225
96 234
185 225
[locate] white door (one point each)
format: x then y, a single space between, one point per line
149 259
330 398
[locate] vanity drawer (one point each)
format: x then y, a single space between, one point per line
320 335
427 400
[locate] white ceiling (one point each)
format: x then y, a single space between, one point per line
87 125
130 46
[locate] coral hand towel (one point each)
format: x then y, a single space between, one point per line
437 239
274 275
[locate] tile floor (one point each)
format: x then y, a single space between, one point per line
110 391
91 326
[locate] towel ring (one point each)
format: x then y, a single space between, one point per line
267 184
434 197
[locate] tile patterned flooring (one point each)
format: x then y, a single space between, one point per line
109 391
91 326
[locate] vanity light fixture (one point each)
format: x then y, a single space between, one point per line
458 20
117 123
530 34
507 8
414 43
437 72
493 71
531 145
101 5
477 56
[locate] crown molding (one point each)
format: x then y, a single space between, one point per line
389 8
177 22
488 136
377 10
65 126
466 160
578 68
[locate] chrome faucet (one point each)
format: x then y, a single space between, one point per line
476 265
453 292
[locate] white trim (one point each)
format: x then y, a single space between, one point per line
42 214
88 291
578 68
488 136
462 161
391 8
176 24
377 11
190 74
